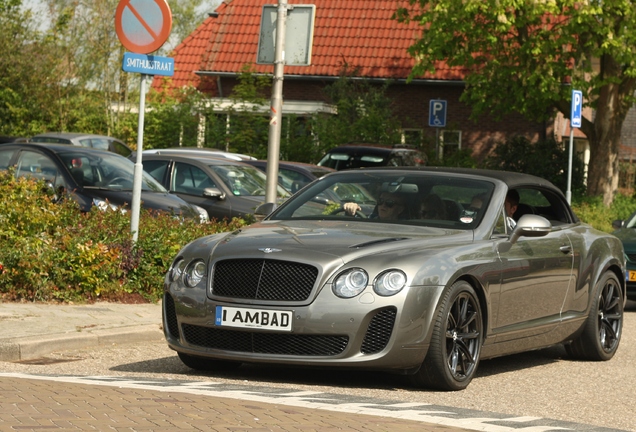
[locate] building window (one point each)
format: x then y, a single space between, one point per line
412 137
450 142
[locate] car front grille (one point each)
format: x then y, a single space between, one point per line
263 279
264 343
631 257
379 331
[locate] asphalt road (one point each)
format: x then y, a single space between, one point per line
539 384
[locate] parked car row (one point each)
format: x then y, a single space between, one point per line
92 177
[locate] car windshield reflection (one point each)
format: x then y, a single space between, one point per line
418 199
106 172
245 180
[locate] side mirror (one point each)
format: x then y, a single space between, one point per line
213 192
618 224
529 225
263 210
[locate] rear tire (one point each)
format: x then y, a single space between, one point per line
207 364
453 355
603 328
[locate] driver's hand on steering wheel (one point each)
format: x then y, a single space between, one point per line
351 208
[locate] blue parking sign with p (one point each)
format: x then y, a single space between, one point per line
577 108
437 113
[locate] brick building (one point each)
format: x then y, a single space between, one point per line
362 34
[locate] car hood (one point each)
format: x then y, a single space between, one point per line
320 241
628 237
149 200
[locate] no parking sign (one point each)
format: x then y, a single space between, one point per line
143 25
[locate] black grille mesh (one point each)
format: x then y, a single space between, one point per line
171 315
631 257
379 331
264 343
261 279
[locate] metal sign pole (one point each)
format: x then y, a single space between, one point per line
568 193
276 108
139 169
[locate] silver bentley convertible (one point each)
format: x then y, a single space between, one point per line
418 271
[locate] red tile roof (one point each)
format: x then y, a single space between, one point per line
359 33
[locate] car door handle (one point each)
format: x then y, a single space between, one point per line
566 249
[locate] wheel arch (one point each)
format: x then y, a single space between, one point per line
481 296
616 269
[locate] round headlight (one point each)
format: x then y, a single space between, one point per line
389 283
350 283
194 273
177 270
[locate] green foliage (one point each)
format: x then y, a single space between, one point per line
365 113
462 158
249 127
591 210
547 159
51 251
518 54
172 120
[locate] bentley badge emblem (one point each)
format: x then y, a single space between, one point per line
270 250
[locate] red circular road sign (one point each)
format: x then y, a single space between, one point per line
143 25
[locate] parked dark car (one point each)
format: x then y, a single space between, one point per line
223 187
426 294
293 175
359 156
92 177
625 230
100 142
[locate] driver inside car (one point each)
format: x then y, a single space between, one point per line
390 206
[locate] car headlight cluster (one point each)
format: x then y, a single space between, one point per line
191 274
353 281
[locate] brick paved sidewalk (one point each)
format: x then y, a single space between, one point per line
36 405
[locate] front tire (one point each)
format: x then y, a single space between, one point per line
603 327
453 355
207 364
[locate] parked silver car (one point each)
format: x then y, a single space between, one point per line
100 142
409 277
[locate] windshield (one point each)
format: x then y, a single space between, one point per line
245 180
411 198
105 171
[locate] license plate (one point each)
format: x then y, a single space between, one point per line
632 276
253 318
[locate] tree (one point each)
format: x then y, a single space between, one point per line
528 56
365 113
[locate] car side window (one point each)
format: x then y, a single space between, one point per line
543 203
38 166
120 148
99 143
5 158
190 179
157 169
86 142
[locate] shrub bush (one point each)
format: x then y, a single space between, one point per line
51 251
546 159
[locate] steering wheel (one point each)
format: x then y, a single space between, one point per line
341 209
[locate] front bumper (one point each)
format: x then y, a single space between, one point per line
368 331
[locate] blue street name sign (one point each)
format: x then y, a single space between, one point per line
148 64
577 107
437 113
